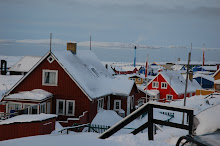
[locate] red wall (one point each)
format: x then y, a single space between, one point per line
169 90
66 88
18 130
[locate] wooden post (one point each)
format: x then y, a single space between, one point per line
190 115
150 123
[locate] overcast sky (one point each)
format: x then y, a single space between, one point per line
152 22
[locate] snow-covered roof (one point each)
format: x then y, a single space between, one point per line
86 69
36 95
127 68
208 77
25 64
28 118
177 67
211 68
177 82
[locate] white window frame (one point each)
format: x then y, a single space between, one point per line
43 77
115 101
67 107
29 108
155 84
43 104
169 95
100 104
48 59
57 107
164 84
7 107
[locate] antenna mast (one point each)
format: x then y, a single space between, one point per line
90 43
50 41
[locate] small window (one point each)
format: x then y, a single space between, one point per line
155 85
50 77
50 59
70 107
60 107
95 72
163 85
43 107
101 103
139 79
117 105
169 97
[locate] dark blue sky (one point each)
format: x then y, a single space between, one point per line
151 22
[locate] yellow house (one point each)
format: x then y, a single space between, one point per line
137 79
216 77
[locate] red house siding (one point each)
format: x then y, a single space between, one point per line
163 92
66 88
18 130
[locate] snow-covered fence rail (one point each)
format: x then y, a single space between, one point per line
151 121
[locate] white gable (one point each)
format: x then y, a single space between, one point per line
91 75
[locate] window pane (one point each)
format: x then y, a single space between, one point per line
34 109
70 108
50 77
60 108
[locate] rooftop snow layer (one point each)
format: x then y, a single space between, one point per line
208 77
36 94
177 81
91 75
25 64
28 118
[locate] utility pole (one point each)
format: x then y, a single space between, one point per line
90 43
146 71
187 74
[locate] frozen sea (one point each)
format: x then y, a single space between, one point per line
116 54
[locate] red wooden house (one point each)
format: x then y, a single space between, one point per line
170 86
73 85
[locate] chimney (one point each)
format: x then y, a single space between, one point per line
191 76
72 47
178 59
217 66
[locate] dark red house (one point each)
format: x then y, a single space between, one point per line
73 85
170 85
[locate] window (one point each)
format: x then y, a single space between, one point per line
14 106
50 77
155 85
163 85
43 107
169 97
132 101
139 79
100 103
117 105
70 107
60 107
140 102
34 109
50 59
